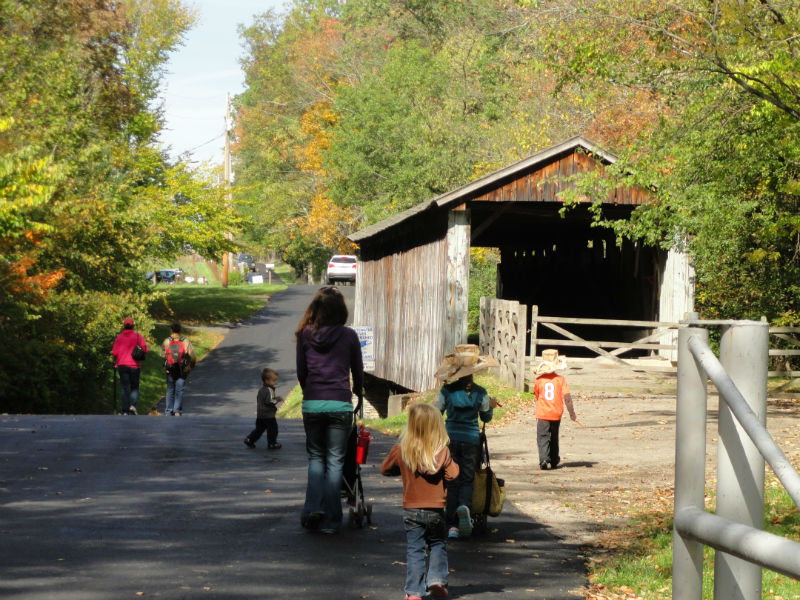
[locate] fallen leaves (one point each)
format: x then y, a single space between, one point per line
600 592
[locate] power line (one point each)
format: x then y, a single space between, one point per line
214 139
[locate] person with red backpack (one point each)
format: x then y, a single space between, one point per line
179 360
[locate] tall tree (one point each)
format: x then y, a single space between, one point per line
722 158
85 193
355 111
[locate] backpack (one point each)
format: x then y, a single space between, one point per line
177 359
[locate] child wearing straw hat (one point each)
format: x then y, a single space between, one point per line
552 394
463 401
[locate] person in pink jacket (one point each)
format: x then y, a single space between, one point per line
126 366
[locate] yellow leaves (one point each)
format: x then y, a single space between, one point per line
316 124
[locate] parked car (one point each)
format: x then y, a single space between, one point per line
342 267
247 261
168 275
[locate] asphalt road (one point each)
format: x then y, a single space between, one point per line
115 507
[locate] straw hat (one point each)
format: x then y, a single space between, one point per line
464 361
550 363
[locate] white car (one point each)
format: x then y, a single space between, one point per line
342 267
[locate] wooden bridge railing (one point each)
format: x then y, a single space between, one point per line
503 333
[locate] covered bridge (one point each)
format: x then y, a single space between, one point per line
413 272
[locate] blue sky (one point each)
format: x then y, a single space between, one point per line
202 72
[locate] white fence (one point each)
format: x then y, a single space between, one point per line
736 530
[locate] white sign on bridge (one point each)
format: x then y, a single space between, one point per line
366 336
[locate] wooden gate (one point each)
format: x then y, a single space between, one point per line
503 329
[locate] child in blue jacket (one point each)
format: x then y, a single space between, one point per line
463 401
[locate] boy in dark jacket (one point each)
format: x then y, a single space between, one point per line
266 409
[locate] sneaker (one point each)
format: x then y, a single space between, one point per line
274 446
132 409
177 413
543 466
329 531
453 533
311 521
464 522
437 590
248 442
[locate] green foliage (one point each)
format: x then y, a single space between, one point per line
86 196
376 106
722 155
482 282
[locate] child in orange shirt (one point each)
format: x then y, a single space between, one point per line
423 460
552 393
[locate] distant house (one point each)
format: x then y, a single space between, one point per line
414 266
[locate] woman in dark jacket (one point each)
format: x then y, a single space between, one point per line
328 353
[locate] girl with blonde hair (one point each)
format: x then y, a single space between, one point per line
423 460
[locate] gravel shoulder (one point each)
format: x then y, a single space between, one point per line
624 457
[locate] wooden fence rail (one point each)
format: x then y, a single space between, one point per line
500 336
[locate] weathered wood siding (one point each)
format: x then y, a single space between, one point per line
676 295
458 240
403 296
544 183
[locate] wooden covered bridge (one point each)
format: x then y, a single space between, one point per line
414 266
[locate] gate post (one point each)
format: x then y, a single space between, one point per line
744 349
690 460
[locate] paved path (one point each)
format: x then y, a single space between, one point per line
108 507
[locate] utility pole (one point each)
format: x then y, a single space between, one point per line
226 257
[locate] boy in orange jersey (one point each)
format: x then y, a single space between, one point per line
552 393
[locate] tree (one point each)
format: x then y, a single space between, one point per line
356 111
85 194
722 158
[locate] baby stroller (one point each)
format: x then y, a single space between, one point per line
352 489
488 492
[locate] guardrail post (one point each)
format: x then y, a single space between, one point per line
744 349
690 453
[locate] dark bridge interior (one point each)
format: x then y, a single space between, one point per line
568 268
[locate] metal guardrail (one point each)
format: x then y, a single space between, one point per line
736 530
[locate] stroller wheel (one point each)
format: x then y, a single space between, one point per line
356 519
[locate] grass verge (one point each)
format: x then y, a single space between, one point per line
635 562
199 305
196 306
511 401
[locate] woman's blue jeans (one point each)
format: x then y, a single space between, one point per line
425 530
326 443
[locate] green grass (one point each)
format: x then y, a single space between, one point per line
286 273
196 306
638 558
511 401
208 304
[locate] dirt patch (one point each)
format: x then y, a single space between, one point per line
622 460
